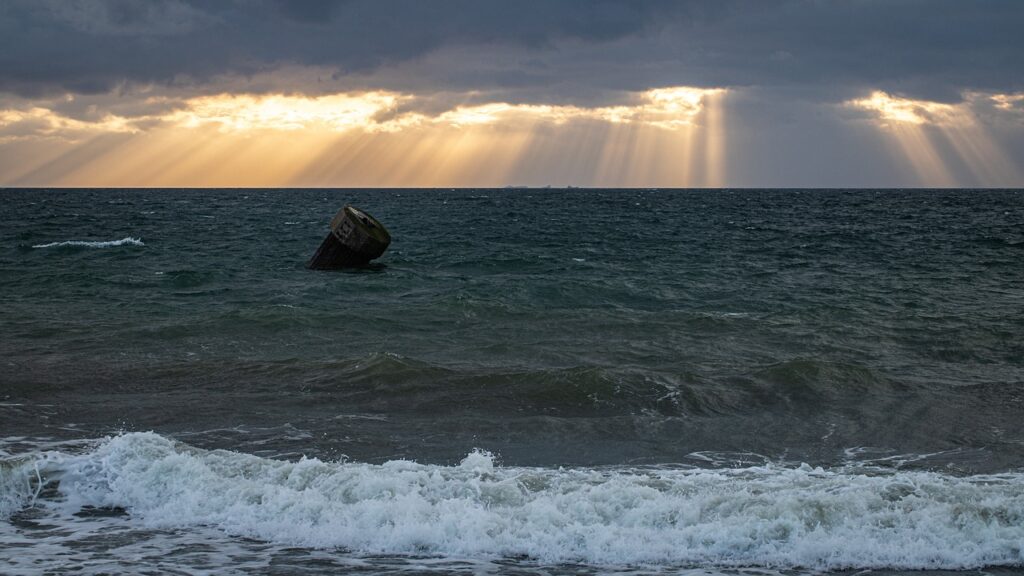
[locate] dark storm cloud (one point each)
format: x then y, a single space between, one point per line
566 48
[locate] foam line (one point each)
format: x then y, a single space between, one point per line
764 516
129 241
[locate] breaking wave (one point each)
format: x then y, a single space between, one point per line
128 241
766 516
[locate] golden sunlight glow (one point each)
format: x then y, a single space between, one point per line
1007 101
281 112
669 108
715 143
39 121
903 109
922 130
662 137
501 112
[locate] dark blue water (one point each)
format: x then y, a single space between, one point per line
575 379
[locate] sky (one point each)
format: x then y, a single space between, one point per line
477 93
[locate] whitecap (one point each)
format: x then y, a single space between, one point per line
769 515
128 241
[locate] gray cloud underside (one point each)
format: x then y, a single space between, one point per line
556 50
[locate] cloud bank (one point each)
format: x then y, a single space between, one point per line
929 49
791 73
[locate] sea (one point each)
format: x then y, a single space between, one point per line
529 381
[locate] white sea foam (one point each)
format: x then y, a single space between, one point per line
17 488
129 241
767 516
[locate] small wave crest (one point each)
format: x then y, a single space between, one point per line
127 241
768 515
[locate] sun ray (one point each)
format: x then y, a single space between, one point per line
616 154
19 161
65 169
383 139
714 142
920 151
919 126
987 162
338 158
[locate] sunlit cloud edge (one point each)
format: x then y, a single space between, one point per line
668 108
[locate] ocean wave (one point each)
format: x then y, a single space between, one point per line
19 484
764 516
809 381
127 241
801 384
569 391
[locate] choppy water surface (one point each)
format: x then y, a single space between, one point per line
529 381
